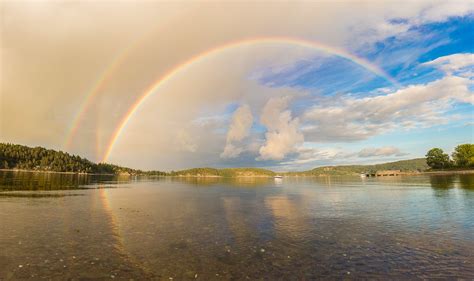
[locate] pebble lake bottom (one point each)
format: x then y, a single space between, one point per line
70 227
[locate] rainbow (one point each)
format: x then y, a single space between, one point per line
104 77
234 44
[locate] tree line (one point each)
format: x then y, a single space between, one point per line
14 156
462 157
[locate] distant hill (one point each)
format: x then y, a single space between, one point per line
227 172
412 165
14 156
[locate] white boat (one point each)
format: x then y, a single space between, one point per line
278 177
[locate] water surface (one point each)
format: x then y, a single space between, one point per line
57 226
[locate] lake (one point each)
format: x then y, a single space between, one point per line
77 227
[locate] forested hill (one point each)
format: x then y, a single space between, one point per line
13 156
412 165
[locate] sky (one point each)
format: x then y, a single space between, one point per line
281 85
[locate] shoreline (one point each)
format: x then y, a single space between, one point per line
56 172
447 172
441 172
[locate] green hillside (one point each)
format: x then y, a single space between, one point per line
412 165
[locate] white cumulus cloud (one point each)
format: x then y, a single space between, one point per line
283 134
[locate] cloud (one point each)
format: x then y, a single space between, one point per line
381 151
349 118
306 155
283 133
457 63
441 10
239 129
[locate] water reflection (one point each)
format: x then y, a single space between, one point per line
287 215
245 228
442 181
116 237
234 182
237 220
278 181
466 181
37 195
36 181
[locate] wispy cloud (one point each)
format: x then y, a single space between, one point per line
380 151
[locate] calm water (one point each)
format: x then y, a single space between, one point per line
81 228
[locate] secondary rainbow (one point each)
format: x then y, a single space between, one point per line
234 44
104 77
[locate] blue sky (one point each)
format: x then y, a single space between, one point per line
399 57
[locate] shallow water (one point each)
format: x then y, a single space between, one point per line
81 227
